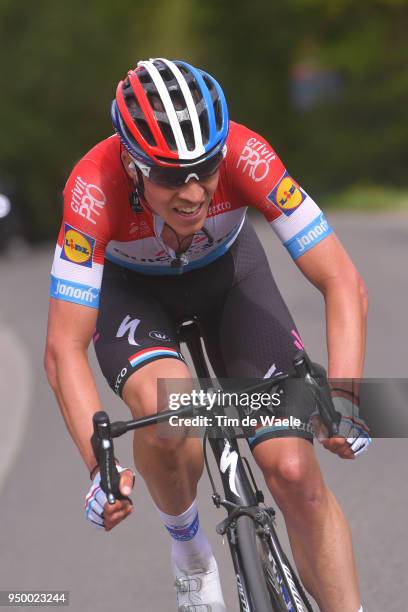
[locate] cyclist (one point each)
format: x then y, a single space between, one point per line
154 230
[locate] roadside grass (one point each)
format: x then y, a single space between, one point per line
374 198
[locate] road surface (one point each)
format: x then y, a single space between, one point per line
45 543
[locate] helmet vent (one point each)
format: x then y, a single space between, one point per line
168 135
195 92
166 74
133 107
208 82
145 131
188 134
218 114
178 100
144 76
183 69
205 128
155 102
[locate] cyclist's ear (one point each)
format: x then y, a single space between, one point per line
129 165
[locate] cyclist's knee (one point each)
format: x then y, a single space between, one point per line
292 474
146 393
290 471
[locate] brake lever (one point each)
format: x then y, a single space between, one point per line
102 445
320 389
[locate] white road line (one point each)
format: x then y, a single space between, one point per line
16 385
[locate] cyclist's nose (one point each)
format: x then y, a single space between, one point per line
192 192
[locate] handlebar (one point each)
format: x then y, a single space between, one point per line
314 377
102 445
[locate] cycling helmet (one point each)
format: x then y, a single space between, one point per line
169 113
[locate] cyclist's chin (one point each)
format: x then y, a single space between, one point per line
188 219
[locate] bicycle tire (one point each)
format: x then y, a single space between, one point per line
265 593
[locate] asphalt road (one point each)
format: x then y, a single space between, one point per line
45 543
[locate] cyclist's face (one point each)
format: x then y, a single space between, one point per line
184 208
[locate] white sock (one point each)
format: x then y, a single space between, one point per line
190 547
360 609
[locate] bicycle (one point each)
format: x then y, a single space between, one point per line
265 578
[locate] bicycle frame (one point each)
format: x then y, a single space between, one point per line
240 497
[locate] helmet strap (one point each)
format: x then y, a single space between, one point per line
137 194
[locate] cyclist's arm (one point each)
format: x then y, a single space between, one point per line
330 269
259 178
70 329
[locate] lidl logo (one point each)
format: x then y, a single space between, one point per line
287 195
77 247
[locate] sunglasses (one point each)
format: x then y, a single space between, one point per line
177 177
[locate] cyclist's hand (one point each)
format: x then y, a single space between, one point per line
354 437
97 509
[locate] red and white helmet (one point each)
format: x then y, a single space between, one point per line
169 113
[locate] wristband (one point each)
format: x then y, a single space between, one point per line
355 398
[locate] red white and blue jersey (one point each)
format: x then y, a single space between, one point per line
99 222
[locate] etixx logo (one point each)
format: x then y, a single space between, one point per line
77 247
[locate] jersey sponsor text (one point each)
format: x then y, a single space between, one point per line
87 199
308 238
255 158
74 292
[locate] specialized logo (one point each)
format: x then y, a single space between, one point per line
229 462
88 200
255 159
128 326
77 247
287 195
271 371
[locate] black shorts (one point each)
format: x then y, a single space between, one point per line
247 329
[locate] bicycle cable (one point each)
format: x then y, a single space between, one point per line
207 465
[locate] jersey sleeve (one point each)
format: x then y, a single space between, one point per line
76 274
259 179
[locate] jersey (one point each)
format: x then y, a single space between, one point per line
99 222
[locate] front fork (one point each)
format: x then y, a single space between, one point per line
239 499
242 499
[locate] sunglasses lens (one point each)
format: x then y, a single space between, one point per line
175 177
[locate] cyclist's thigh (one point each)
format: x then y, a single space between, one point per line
256 332
134 336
